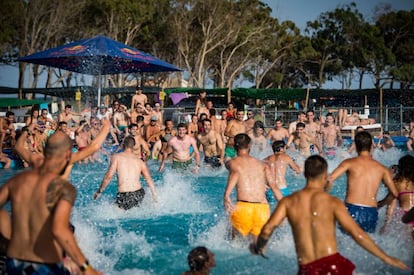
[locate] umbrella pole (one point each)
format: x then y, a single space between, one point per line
99 90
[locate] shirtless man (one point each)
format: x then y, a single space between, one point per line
121 120
292 125
303 141
129 168
312 213
278 132
164 136
251 177
152 132
249 122
410 140
157 112
35 160
139 97
278 164
234 127
312 127
213 146
364 175
41 205
68 116
330 135
193 126
141 148
7 131
180 147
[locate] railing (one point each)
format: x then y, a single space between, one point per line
393 119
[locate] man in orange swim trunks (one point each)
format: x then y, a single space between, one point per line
316 247
251 177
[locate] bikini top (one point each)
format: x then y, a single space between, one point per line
405 192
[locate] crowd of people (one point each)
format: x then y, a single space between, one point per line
43 196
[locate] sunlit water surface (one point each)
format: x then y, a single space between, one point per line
156 238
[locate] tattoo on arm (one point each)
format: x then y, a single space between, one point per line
57 190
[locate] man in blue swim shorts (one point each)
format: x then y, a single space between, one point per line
364 176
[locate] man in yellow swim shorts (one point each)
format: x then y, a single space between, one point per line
251 177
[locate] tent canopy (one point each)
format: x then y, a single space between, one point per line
15 102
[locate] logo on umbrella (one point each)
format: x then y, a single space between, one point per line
72 50
136 54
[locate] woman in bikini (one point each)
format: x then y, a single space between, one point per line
404 181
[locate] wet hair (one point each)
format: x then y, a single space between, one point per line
197 258
129 142
363 141
181 125
241 141
207 119
9 113
132 125
315 166
300 125
278 145
62 123
258 124
278 119
405 168
212 112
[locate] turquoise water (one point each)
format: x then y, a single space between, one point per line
156 238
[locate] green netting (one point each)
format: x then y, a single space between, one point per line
15 102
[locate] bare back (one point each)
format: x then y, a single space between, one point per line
249 174
34 197
364 176
312 218
128 168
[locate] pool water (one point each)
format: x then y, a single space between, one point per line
156 238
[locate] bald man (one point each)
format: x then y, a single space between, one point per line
41 205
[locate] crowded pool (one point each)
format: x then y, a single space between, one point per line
156 238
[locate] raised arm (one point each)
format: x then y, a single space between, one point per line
95 145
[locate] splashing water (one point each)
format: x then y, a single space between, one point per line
156 238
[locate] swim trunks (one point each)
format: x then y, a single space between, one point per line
366 217
271 198
249 217
14 266
332 264
182 165
410 223
330 152
229 152
127 200
213 161
122 128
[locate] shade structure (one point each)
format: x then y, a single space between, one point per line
98 56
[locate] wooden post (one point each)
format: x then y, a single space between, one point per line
307 99
381 106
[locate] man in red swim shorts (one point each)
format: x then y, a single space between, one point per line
312 213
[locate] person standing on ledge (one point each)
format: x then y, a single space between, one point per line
312 213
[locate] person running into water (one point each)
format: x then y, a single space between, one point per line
364 175
251 177
312 213
278 164
200 260
303 141
234 127
213 146
129 167
41 205
180 147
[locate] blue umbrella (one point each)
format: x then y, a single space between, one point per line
99 55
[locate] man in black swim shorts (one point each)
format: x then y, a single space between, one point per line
129 168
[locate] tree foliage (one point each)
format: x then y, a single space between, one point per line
219 42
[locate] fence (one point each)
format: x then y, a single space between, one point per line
393 119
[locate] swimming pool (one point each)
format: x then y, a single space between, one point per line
155 239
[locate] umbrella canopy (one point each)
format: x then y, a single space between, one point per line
99 55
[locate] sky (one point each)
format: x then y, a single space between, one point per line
298 11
